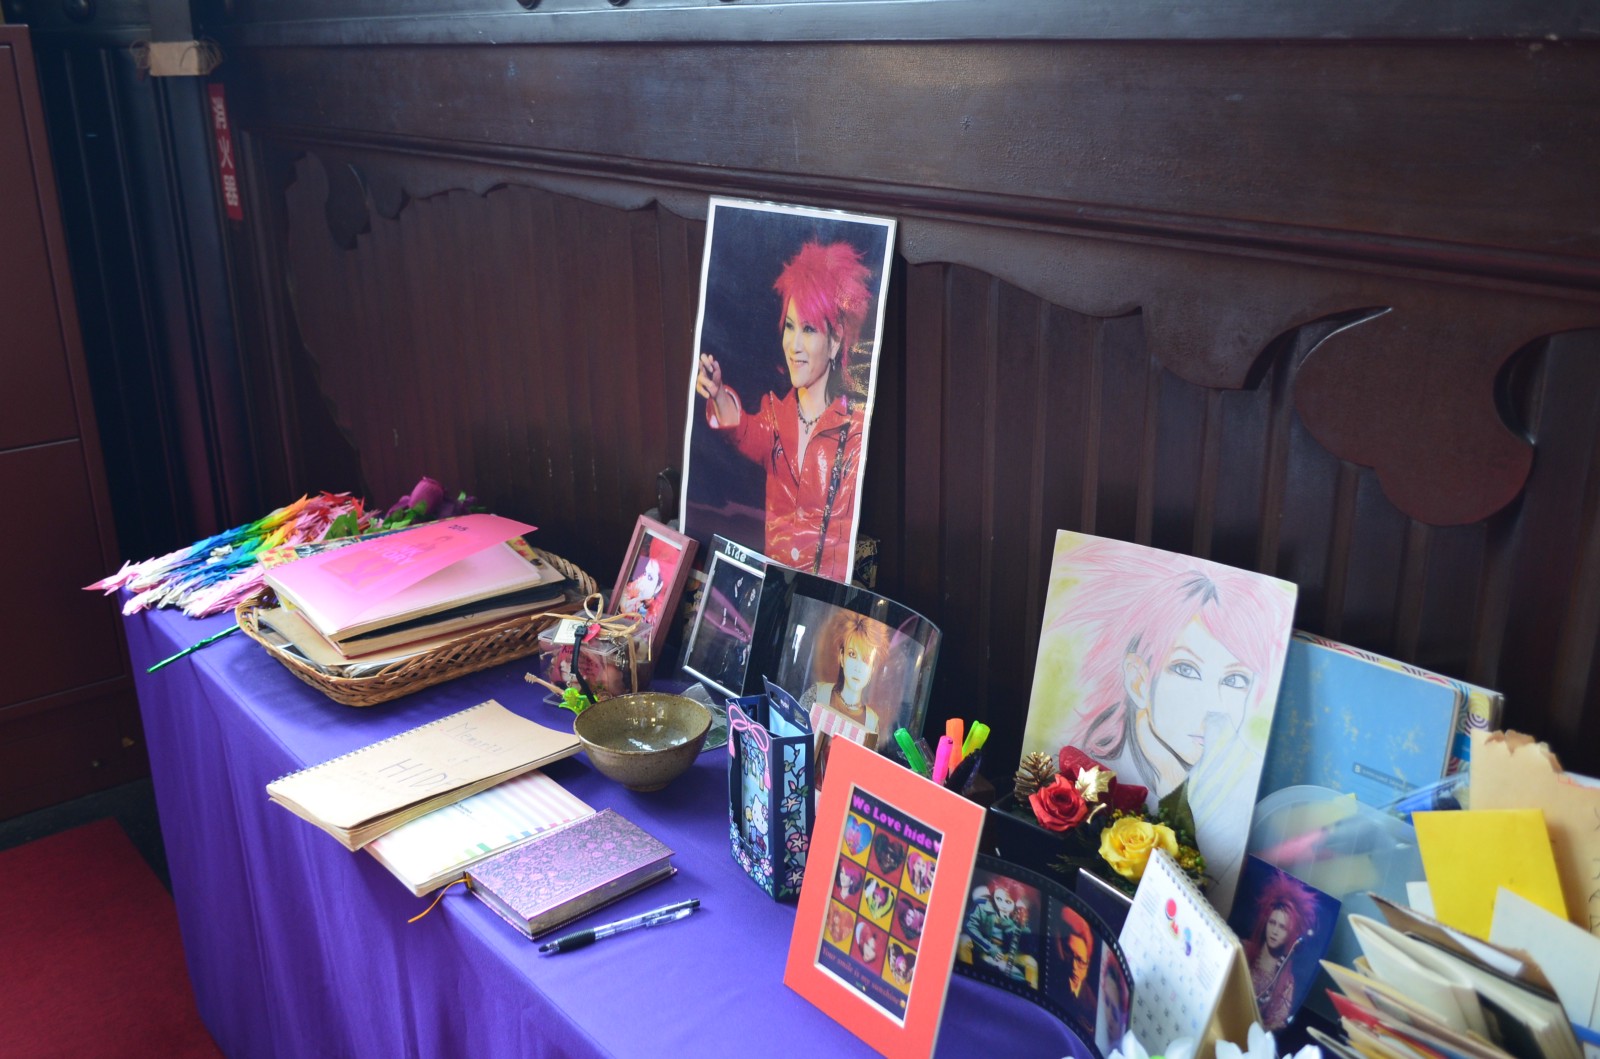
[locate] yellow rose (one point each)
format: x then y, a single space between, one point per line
1127 843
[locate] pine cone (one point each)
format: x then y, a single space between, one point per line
1037 770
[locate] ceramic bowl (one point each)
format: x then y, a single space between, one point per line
643 741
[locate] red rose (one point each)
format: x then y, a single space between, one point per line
1128 797
1059 807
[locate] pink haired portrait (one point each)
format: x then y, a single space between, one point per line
1165 668
783 380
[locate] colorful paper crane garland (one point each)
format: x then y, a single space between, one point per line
216 574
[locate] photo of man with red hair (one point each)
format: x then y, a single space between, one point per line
804 429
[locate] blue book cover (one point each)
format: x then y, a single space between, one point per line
1367 725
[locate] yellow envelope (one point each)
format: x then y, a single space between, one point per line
1469 853
1513 771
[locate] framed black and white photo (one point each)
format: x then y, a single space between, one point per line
722 631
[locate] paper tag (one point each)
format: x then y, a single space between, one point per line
567 630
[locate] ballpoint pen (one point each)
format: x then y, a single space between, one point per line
653 918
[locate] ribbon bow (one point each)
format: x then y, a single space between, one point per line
739 721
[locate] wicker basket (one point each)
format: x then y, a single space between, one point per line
473 651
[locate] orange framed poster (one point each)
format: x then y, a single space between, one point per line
882 902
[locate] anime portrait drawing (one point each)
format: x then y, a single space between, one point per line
1286 927
785 367
1166 668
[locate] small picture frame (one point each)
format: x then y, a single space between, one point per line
652 577
723 629
882 902
860 664
1285 927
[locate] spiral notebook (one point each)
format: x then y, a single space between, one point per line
1189 965
365 793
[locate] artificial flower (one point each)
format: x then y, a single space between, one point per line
1130 1048
1128 797
427 494
1094 782
1059 806
1262 1045
1126 845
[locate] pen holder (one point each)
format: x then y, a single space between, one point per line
771 789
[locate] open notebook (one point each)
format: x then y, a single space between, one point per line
436 849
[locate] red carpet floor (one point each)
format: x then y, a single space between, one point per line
91 964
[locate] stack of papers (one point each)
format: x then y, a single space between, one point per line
421 584
371 791
1422 989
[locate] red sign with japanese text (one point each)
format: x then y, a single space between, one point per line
226 170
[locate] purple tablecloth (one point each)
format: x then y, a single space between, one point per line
298 947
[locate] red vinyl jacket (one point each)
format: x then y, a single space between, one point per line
798 501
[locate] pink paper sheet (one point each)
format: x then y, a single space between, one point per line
349 582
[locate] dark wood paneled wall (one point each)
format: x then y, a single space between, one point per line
1325 308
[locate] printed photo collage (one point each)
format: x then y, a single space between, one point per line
883 874
1033 937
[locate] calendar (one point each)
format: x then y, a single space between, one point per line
1188 967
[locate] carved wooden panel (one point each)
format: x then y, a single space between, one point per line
536 346
1283 304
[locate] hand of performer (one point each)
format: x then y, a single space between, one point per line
708 384
708 381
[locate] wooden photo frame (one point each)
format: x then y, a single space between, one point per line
652 577
881 906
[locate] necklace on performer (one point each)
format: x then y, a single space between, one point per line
855 709
804 421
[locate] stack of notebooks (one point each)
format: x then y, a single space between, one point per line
371 791
397 595
1424 989
1363 724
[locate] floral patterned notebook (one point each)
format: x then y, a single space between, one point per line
553 880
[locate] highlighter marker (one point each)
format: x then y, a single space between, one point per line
908 747
927 757
941 760
975 739
953 729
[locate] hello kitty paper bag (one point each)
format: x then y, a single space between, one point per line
771 789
